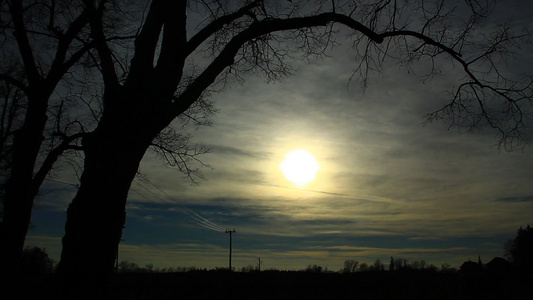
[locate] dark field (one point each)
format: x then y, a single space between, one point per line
286 285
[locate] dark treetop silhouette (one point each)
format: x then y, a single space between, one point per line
520 249
158 86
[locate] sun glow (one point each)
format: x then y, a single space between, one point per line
299 167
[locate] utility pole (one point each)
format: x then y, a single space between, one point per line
231 232
121 240
259 261
116 258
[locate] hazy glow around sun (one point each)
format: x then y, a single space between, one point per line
299 167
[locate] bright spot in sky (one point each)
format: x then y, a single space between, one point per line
299 167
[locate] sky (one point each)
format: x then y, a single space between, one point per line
388 184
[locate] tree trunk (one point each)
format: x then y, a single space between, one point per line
20 188
17 215
96 216
134 113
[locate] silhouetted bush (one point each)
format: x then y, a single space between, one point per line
350 266
315 269
36 261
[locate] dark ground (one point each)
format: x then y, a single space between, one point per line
286 285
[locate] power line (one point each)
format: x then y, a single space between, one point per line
139 193
203 221
151 192
76 185
197 218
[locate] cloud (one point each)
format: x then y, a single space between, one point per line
426 238
302 189
227 150
515 199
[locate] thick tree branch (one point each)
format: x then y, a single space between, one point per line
216 25
146 44
109 74
227 55
171 59
426 39
76 57
58 67
52 157
23 42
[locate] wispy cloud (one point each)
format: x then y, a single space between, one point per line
427 238
227 150
515 199
301 189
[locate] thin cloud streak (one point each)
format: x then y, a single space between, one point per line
301 189
515 199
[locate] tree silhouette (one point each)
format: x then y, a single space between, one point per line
50 94
161 82
520 249
40 43
350 266
10 111
314 269
36 261
377 266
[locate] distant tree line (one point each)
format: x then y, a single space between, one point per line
131 267
396 264
519 251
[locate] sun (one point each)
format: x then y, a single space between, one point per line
299 167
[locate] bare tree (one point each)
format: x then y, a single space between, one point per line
162 81
40 42
51 93
350 266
